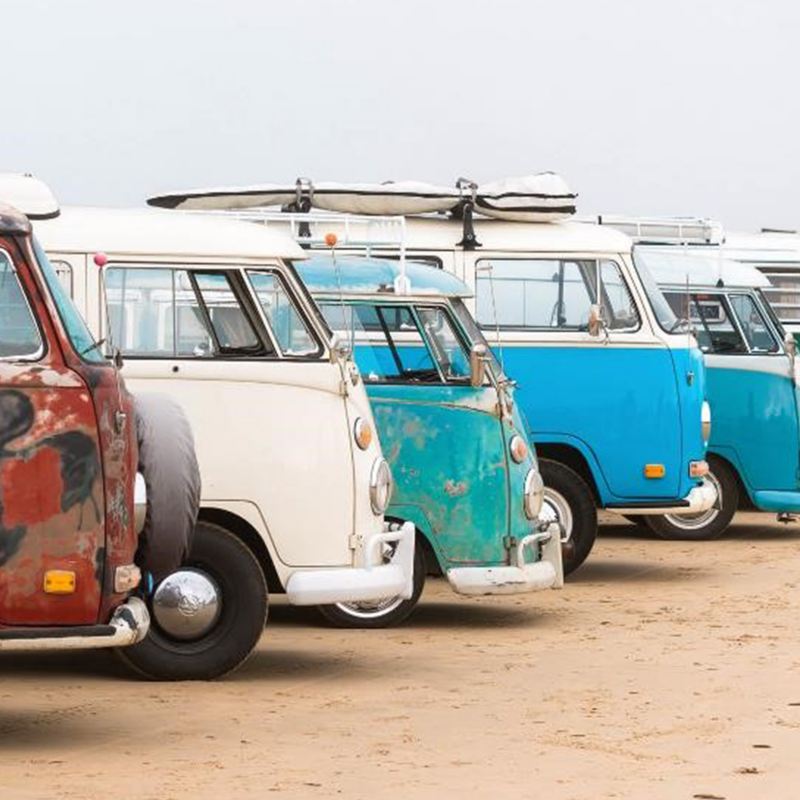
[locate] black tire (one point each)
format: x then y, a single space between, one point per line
243 615
564 487
710 524
169 466
395 611
636 519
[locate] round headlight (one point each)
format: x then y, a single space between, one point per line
380 486
705 421
518 448
362 431
534 493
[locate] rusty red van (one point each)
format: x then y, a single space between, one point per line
71 503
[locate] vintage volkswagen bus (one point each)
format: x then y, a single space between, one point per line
613 390
448 420
754 450
294 482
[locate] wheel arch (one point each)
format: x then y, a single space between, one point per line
250 537
570 456
433 564
745 497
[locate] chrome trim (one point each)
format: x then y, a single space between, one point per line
139 503
187 604
533 493
378 466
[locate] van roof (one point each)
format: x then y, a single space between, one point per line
150 231
432 233
365 276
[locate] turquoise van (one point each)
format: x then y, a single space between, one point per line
465 473
754 450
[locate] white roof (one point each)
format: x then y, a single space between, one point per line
763 248
28 194
672 265
150 232
430 233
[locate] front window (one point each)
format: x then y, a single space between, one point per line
77 331
548 294
712 320
400 344
753 324
179 313
663 310
474 333
19 334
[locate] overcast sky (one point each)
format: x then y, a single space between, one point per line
649 107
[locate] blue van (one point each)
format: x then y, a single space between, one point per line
754 450
449 423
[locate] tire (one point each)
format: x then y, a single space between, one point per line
382 614
568 500
169 466
709 524
231 637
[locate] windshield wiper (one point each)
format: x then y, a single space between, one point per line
677 324
93 346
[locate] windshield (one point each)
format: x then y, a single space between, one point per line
77 330
661 308
474 333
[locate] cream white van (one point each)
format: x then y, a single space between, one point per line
211 313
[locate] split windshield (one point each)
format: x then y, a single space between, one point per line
665 314
394 343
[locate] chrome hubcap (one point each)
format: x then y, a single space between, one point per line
694 522
187 604
555 508
372 609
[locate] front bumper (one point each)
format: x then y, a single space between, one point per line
700 498
546 573
128 625
360 584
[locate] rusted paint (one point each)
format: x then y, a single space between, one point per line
455 488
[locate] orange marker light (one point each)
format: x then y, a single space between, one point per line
331 239
654 471
59 581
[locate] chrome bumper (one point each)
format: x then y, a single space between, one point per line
699 499
360 584
546 573
128 625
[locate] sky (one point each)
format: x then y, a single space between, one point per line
649 107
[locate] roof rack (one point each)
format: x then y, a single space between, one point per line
313 229
666 230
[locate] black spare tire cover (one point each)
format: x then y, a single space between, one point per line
171 473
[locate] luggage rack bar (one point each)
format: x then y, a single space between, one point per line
310 229
666 230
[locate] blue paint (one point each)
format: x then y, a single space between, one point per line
621 407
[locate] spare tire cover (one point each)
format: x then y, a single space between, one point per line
169 465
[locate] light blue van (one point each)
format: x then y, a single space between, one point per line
754 450
464 471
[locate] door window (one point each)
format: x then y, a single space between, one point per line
711 319
293 335
19 334
552 294
165 312
753 324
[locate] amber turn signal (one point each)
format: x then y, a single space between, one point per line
59 581
654 471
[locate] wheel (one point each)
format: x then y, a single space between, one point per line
207 617
383 613
168 463
569 501
709 524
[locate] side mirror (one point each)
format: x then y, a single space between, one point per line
478 356
790 346
340 350
596 322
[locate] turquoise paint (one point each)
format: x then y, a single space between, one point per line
755 427
621 407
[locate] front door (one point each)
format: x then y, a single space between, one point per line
51 492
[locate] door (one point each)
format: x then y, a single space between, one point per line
442 437
51 492
751 388
613 396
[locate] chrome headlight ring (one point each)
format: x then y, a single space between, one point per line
533 494
380 486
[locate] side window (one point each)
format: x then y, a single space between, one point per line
63 270
164 312
551 294
19 334
753 324
293 335
784 294
711 321
445 343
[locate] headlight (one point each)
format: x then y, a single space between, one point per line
380 486
518 448
534 494
362 431
705 421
